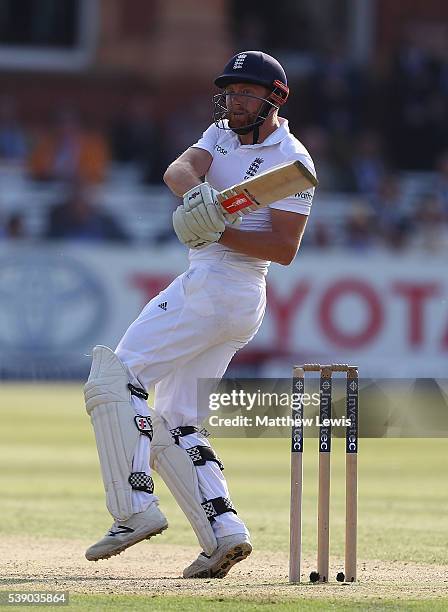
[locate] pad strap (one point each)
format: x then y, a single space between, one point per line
218 505
180 432
140 481
138 392
201 454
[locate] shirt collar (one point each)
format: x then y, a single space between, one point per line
277 136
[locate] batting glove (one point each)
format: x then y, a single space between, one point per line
204 195
194 234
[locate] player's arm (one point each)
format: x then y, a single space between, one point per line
280 244
184 177
187 170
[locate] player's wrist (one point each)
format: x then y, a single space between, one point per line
226 236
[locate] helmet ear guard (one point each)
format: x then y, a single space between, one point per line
280 93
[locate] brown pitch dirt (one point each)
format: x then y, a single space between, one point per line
155 568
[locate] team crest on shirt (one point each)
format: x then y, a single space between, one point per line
254 167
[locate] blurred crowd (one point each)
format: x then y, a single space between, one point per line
367 127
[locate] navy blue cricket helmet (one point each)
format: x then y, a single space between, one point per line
257 68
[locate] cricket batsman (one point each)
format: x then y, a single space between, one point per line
195 326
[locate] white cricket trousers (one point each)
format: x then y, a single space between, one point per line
191 330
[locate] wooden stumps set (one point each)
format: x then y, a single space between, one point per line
351 492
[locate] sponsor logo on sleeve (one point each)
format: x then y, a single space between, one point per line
304 195
221 150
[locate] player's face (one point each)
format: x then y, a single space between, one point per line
244 101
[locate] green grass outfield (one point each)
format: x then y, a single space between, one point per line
192 604
50 484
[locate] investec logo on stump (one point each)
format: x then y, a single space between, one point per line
352 408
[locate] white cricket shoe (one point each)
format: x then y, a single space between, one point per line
231 549
123 534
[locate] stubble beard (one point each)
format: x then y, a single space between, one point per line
241 120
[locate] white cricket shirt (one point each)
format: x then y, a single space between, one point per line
234 162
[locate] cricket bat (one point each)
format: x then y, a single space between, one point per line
270 186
